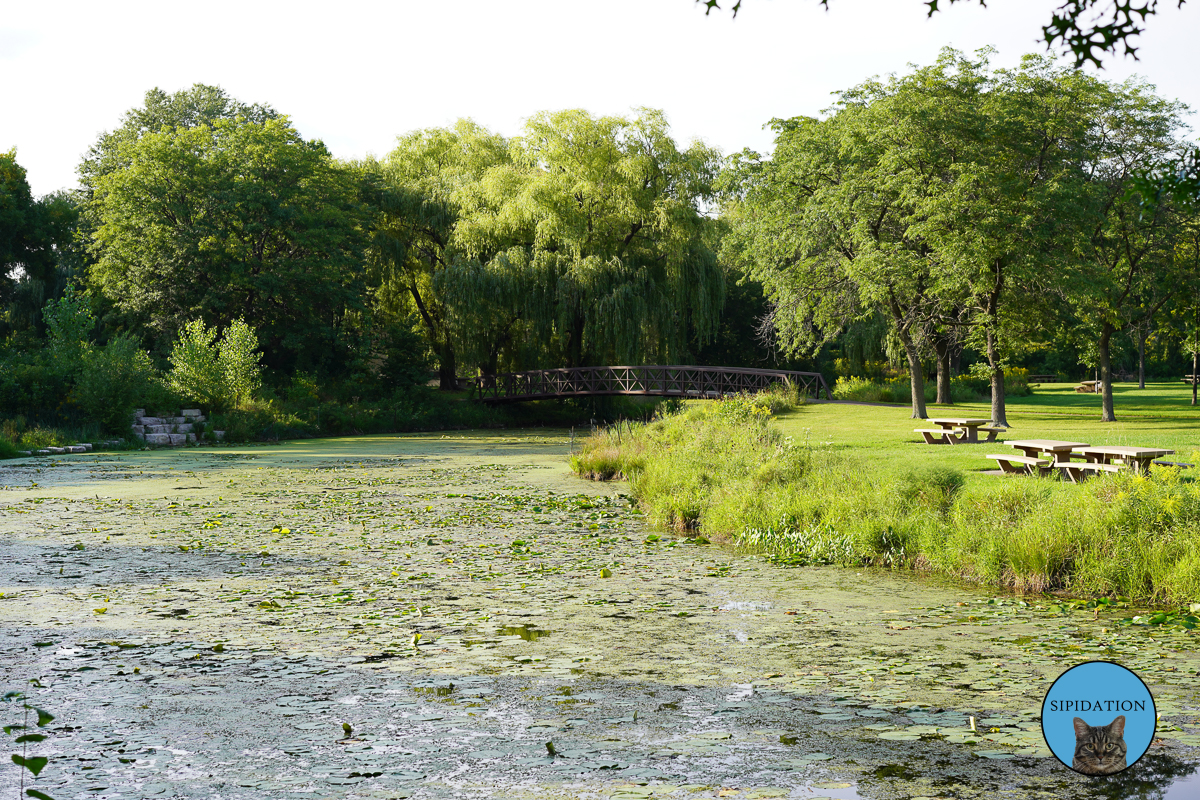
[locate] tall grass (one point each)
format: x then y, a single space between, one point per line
724 469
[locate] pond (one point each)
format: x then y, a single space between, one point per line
437 616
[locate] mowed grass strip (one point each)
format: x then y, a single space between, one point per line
854 485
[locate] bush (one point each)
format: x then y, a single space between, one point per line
7 448
217 376
969 388
113 382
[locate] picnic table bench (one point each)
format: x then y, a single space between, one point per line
1136 458
1021 465
1188 379
1088 386
956 430
1031 455
1107 458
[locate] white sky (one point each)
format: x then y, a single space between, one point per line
358 73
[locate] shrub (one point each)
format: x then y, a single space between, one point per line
218 376
195 374
7 448
113 381
69 322
238 359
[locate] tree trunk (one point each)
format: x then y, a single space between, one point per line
942 345
1142 334
999 414
1105 350
1195 374
447 367
916 377
575 343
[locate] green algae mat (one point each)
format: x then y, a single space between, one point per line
458 616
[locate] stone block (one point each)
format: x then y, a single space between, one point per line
75 448
139 412
191 437
184 428
158 438
150 421
178 439
219 435
158 428
178 420
57 451
190 412
138 428
197 419
42 452
87 447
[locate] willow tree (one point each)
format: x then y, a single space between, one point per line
625 272
429 181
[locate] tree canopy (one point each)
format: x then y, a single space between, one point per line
959 196
237 218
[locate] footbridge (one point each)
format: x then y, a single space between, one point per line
654 381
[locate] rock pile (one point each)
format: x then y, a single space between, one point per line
170 431
85 447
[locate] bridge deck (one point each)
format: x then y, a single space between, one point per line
655 381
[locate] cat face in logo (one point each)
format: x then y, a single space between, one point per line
1100 749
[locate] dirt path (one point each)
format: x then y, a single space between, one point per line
204 622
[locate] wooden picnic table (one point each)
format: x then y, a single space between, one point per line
1031 461
961 428
1088 386
956 430
1137 458
1059 452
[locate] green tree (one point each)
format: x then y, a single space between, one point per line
217 375
582 242
239 362
114 379
626 270
428 182
1129 261
201 105
829 229
34 233
235 219
69 323
1005 216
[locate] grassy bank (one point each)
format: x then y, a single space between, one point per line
852 485
419 410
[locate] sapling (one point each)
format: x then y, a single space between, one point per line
24 736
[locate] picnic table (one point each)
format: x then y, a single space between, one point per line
1058 453
1136 458
1088 386
956 430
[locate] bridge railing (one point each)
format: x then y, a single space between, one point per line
660 381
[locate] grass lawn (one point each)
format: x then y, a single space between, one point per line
1158 416
834 483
